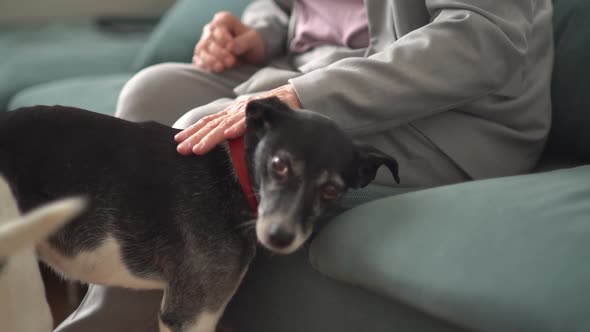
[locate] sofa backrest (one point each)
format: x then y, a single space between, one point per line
570 134
180 28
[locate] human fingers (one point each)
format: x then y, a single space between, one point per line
202 139
187 146
213 132
186 133
208 54
222 36
221 54
216 135
229 21
208 61
203 144
237 130
249 46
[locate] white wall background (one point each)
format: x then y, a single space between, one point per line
44 10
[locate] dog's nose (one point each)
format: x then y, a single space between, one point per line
279 237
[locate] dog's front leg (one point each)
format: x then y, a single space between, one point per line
198 305
205 321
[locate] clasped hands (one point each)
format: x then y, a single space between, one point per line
225 43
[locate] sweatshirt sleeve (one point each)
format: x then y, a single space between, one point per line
271 19
469 49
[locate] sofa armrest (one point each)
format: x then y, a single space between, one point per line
507 254
176 35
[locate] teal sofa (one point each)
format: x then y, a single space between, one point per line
506 255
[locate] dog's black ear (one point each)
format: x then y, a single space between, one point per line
262 114
370 160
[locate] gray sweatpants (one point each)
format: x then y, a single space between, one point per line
179 95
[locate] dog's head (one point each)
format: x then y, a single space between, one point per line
302 164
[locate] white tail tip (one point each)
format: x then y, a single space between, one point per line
31 228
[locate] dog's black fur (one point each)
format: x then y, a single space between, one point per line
178 219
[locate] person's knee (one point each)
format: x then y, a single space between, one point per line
143 96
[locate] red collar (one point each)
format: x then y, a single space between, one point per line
238 157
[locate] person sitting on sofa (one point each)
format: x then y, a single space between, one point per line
454 89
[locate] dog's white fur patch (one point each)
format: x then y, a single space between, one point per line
101 266
206 322
162 327
329 177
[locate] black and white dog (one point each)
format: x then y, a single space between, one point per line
159 220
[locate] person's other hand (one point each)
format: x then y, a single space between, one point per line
230 123
225 42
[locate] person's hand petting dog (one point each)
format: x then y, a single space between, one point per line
226 42
230 123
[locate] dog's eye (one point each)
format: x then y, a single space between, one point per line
330 192
280 167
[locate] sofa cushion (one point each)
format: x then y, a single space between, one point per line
285 294
507 254
96 93
179 30
34 54
571 78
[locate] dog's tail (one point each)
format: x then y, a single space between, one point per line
29 229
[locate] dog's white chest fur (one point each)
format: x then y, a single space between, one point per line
101 266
